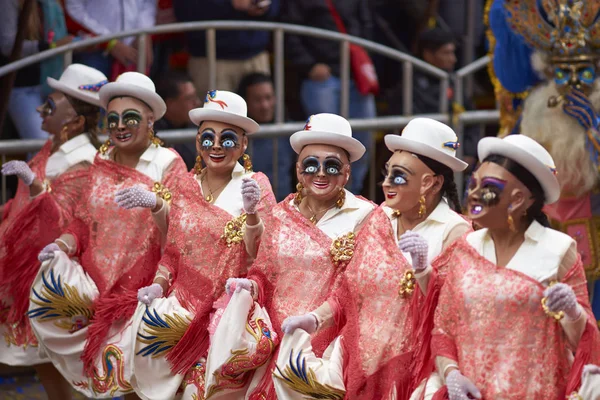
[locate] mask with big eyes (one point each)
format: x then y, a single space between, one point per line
490 190
130 118
229 140
580 76
331 166
396 177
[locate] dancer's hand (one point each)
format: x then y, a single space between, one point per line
250 195
135 196
460 387
579 106
47 252
307 322
590 369
147 294
20 169
237 284
416 245
561 297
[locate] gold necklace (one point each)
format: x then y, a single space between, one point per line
210 198
313 219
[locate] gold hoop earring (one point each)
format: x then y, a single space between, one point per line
341 198
422 207
198 165
104 148
247 163
298 198
511 223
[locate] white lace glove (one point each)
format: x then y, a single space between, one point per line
250 195
561 297
416 245
20 169
147 294
135 196
237 284
307 322
47 252
590 369
460 387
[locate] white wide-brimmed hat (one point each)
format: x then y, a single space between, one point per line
226 107
138 86
81 82
430 138
530 155
328 129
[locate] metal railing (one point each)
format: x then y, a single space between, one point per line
280 128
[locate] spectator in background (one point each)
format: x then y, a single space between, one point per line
258 91
27 92
318 62
178 92
104 17
238 52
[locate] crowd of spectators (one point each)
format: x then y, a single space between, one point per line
433 30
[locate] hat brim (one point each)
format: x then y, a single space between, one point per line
89 97
303 138
549 183
395 143
117 89
198 115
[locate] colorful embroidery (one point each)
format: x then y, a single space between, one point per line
234 230
161 334
195 377
20 336
232 373
210 97
304 381
307 126
61 303
452 145
113 380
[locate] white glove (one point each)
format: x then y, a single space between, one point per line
147 294
20 169
250 195
460 387
561 297
307 322
135 196
416 245
47 252
237 284
590 369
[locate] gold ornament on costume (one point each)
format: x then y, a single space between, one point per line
234 230
407 284
104 148
162 191
556 315
342 248
198 165
154 139
422 207
247 163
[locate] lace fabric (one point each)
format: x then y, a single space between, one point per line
491 321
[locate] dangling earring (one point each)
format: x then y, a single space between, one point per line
104 148
153 139
198 165
247 163
511 223
298 198
422 207
341 198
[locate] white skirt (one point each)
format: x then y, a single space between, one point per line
60 310
300 374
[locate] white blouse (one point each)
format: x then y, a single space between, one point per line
74 151
230 198
153 162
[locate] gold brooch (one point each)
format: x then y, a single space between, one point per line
234 230
162 191
407 284
342 248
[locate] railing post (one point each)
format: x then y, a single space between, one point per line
278 46
142 55
444 85
407 88
211 54
67 59
459 128
345 79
